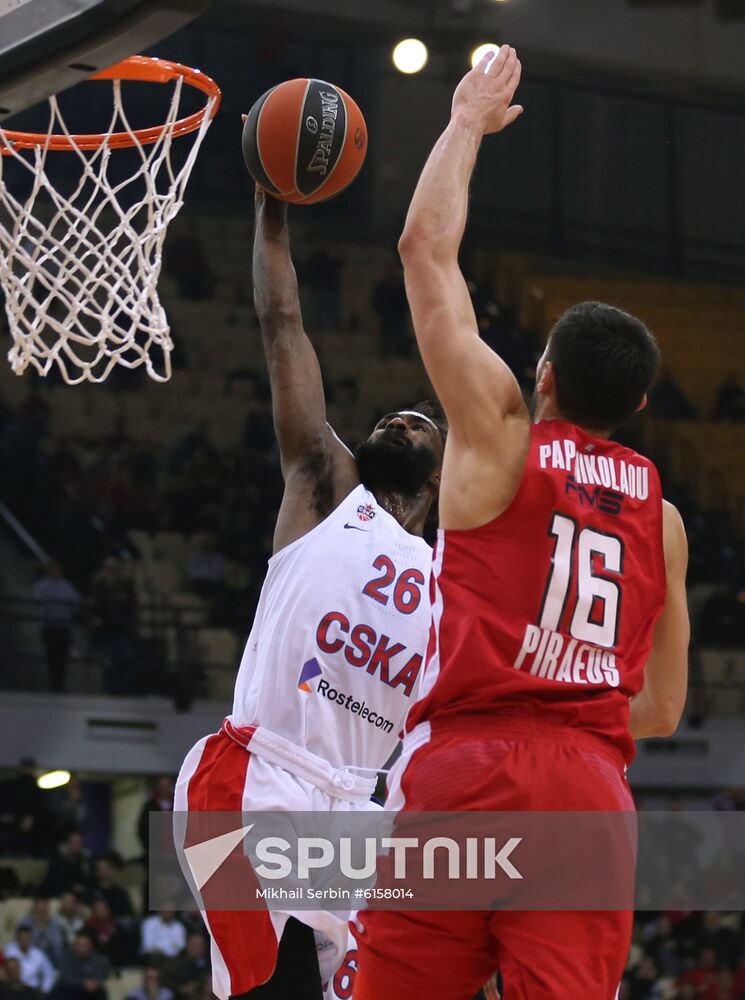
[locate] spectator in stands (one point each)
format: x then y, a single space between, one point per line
46 931
186 973
682 840
685 991
59 602
159 800
113 938
726 987
321 275
642 982
23 813
70 917
392 309
712 936
102 926
703 975
163 936
114 608
196 490
206 567
151 988
668 400
120 944
36 969
103 886
69 867
83 971
68 806
125 501
187 262
739 980
722 619
730 402
499 328
12 986
661 945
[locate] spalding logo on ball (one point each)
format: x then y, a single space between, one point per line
304 141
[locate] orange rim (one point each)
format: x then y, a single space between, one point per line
147 70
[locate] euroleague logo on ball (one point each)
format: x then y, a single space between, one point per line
359 138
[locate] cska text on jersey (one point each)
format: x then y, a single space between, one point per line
364 648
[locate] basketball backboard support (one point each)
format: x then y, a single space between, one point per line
47 46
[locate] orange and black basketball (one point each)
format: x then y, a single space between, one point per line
304 141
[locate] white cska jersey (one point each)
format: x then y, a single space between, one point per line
335 654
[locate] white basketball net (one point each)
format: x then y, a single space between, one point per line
80 270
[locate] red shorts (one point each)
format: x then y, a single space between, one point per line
511 766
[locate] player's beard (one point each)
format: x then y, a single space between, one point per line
399 468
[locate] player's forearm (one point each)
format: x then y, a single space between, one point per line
654 717
437 216
276 295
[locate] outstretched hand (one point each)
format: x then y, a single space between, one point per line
262 197
484 95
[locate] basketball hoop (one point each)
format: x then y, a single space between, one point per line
80 269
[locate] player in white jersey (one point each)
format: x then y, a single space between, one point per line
333 660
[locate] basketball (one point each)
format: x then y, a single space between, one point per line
304 141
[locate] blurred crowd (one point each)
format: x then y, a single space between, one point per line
686 956
84 926
83 931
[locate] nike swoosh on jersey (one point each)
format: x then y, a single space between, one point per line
354 527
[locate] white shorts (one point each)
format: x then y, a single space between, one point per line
251 769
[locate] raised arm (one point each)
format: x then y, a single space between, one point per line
317 468
489 422
657 709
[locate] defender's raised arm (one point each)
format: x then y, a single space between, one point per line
478 391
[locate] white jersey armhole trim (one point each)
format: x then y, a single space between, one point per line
275 557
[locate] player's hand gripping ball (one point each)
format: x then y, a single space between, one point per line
304 141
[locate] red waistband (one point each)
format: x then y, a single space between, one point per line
238 734
496 727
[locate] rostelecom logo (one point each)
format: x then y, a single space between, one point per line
310 671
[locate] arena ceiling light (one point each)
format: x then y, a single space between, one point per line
480 51
410 55
53 779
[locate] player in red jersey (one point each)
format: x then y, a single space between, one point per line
560 627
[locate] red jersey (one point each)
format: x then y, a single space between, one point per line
547 612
